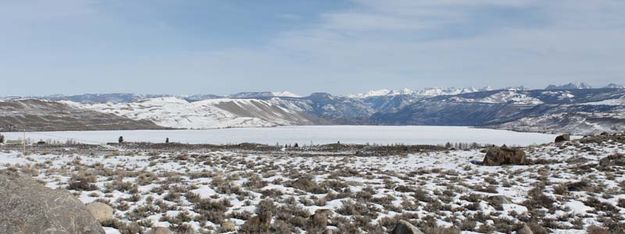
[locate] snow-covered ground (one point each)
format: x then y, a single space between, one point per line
564 191
412 135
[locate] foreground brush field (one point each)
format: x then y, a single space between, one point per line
572 187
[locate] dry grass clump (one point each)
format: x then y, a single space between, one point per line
538 199
119 185
294 215
308 184
254 182
82 182
270 193
225 185
350 207
122 227
597 230
601 206
143 211
261 223
334 184
211 210
146 178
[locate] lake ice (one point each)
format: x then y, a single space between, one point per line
303 135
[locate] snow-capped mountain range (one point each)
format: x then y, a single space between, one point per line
574 108
428 92
578 85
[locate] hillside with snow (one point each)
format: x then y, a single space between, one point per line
44 115
175 112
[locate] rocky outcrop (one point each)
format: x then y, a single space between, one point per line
504 156
563 138
100 211
29 207
404 227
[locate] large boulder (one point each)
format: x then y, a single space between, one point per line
563 138
100 211
404 227
504 156
29 207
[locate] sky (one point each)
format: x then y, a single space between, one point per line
303 46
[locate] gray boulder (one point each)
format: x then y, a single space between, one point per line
404 227
100 211
29 207
504 156
563 138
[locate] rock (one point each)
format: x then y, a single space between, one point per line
504 156
160 230
404 227
100 211
525 230
612 160
29 207
563 138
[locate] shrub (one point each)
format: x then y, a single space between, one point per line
306 183
597 230
212 210
81 186
261 223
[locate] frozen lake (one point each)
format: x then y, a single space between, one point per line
303 135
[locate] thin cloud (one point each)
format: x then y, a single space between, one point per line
371 44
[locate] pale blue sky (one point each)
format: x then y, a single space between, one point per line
222 47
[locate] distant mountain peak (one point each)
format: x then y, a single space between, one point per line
577 85
427 92
383 92
614 86
284 94
265 94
